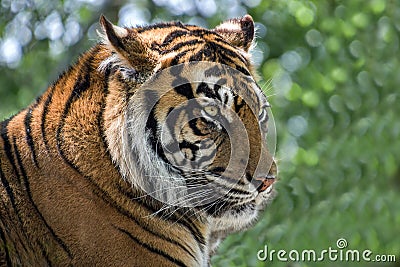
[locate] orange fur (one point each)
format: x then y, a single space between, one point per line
63 199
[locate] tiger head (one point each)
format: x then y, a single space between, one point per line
185 121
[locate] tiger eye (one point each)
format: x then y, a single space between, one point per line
211 110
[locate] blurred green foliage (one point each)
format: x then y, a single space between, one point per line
331 70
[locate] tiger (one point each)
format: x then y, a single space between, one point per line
149 150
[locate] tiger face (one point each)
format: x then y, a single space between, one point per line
186 122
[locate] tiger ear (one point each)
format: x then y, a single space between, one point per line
113 33
129 45
238 32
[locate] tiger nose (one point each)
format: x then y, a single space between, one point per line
266 182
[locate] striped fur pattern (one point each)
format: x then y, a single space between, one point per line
74 164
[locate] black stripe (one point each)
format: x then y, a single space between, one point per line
173 35
218 170
221 40
161 26
100 121
195 129
29 194
178 57
7 149
209 52
193 148
80 86
198 56
238 106
152 249
242 70
183 87
152 124
193 181
200 32
211 124
230 53
182 44
223 59
186 144
44 114
29 139
187 223
206 90
235 190
5 247
215 71
4 181
8 189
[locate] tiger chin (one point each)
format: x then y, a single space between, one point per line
148 151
